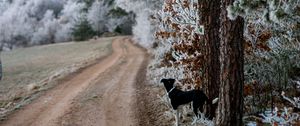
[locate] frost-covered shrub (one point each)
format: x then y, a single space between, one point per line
268 74
97 16
284 116
179 51
272 49
295 101
144 29
280 117
105 17
3 6
269 22
31 22
279 12
179 46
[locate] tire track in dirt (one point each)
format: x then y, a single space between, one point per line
116 94
111 100
119 99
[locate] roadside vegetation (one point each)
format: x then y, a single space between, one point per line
246 53
262 58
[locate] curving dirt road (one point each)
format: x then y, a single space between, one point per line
100 95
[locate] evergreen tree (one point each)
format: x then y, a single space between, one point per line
118 30
82 30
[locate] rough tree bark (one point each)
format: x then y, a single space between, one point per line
209 12
230 109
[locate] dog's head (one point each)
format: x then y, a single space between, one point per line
168 83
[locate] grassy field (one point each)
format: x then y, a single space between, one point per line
28 70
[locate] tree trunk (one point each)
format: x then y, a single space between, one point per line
230 111
210 13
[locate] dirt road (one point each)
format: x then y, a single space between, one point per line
100 95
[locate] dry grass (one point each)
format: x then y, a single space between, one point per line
29 70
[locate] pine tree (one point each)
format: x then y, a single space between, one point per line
82 30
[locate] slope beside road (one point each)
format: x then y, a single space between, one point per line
102 94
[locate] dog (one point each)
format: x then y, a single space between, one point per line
178 97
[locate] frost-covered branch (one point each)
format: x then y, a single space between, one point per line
144 28
295 101
284 117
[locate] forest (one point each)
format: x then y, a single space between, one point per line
246 53
26 23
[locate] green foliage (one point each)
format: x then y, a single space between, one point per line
82 30
109 2
118 29
88 4
117 12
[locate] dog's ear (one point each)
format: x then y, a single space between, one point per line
163 80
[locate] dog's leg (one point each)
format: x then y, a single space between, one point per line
195 109
177 117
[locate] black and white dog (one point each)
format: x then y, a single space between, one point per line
178 97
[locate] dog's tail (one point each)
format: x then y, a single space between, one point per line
208 100
215 101
212 106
